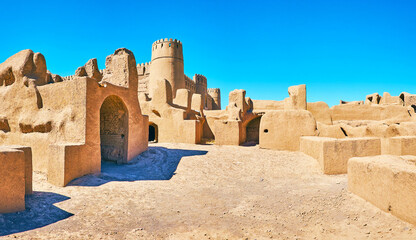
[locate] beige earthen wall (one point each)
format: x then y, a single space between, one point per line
228 132
87 155
320 111
261 105
333 154
282 129
68 114
402 145
396 113
388 182
297 98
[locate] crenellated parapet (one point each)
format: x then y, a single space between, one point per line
166 40
200 79
68 78
201 87
143 69
167 63
167 48
215 94
213 90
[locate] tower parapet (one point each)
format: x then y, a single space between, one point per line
167 48
200 80
167 63
215 93
214 90
201 87
143 69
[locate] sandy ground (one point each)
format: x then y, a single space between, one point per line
180 191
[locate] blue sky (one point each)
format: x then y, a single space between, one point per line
341 49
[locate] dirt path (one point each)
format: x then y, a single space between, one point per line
180 191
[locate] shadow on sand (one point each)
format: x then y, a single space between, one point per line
157 163
39 212
249 144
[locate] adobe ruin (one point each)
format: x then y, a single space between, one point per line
65 126
174 102
71 123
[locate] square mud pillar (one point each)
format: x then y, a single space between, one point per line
404 145
12 180
28 167
69 161
333 154
228 132
388 182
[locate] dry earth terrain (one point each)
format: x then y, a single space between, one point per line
181 191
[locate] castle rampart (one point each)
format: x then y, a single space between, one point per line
167 63
215 94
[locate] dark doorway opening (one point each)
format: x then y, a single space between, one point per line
253 131
113 130
153 133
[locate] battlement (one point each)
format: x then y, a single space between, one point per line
167 48
215 95
143 64
143 68
68 78
213 90
200 79
167 41
200 76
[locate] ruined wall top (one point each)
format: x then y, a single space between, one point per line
143 68
213 90
200 79
26 67
167 41
120 69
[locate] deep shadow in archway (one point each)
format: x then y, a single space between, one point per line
114 130
252 132
157 163
153 132
39 212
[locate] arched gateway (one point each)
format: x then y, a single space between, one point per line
113 130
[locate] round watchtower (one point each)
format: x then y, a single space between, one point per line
167 63
215 93
201 87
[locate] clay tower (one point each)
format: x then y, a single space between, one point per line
167 63
201 87
215 93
